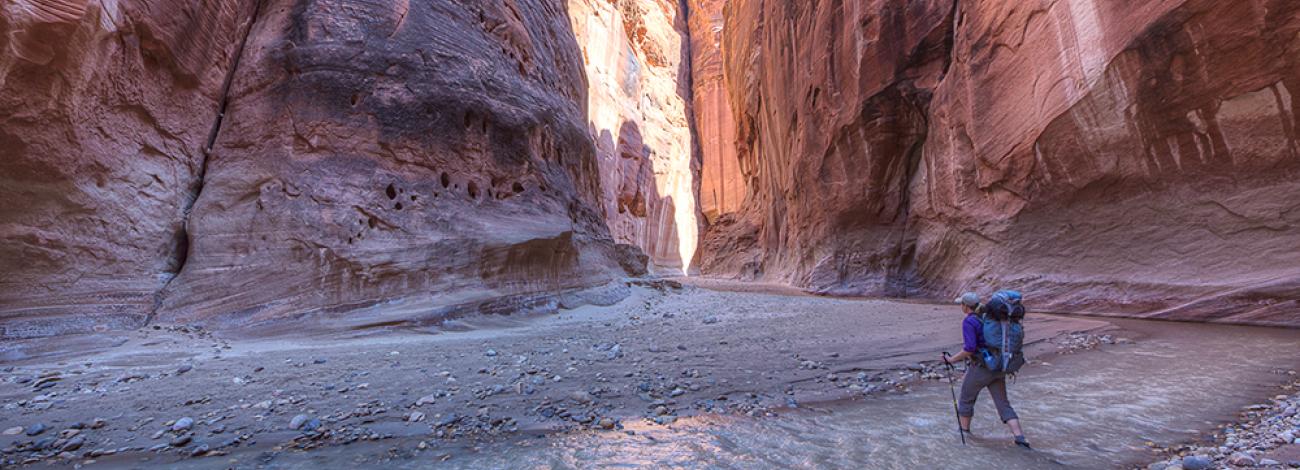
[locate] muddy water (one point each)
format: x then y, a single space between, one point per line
1086 410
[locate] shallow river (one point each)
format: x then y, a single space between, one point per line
1086 410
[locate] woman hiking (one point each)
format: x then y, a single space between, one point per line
978 376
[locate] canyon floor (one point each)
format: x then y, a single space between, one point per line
674 375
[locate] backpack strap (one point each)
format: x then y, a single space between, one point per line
1006 335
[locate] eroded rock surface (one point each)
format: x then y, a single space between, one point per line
1102 156
105 111
436 152
433 152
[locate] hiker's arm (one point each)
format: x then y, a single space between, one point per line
961 356
969 343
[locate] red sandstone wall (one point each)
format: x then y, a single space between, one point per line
1133 157
436 153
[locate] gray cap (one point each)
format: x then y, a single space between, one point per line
969 299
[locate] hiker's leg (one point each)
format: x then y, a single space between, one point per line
1014 424
976 378
998 391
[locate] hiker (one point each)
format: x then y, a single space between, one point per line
978 376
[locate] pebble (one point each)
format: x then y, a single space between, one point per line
490 353
181 440
35 429
1241 459
183 424
581 397
1196 462
298 421
14 431
183 369
415 417
73 444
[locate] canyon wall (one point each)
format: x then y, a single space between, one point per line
638 104
105 109
1110 157
435 152
722 189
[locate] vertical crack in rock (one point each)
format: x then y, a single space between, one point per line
906 281
181 241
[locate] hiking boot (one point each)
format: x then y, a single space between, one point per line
1020 441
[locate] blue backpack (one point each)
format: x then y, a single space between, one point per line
1004 335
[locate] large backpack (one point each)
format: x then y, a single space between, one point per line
1004 335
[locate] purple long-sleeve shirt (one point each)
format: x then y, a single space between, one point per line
971 333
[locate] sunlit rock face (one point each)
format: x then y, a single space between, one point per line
433 152
1132 157
105 109
638 105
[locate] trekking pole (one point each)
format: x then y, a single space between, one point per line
952 388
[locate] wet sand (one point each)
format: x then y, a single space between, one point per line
660 354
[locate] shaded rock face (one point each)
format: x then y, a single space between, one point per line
435 152
97 171
637 65
830 101
1101 156
426 151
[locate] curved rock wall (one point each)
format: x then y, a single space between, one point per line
105 109
1103 156
435 152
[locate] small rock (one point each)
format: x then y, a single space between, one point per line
179 441
73 444
710 320
415 417
1241 459
183 424
35 429
14 431
606 423
426 400
298 421
490 353
581 397
1197 462
1269 463
183 369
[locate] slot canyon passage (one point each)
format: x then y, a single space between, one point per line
644 233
